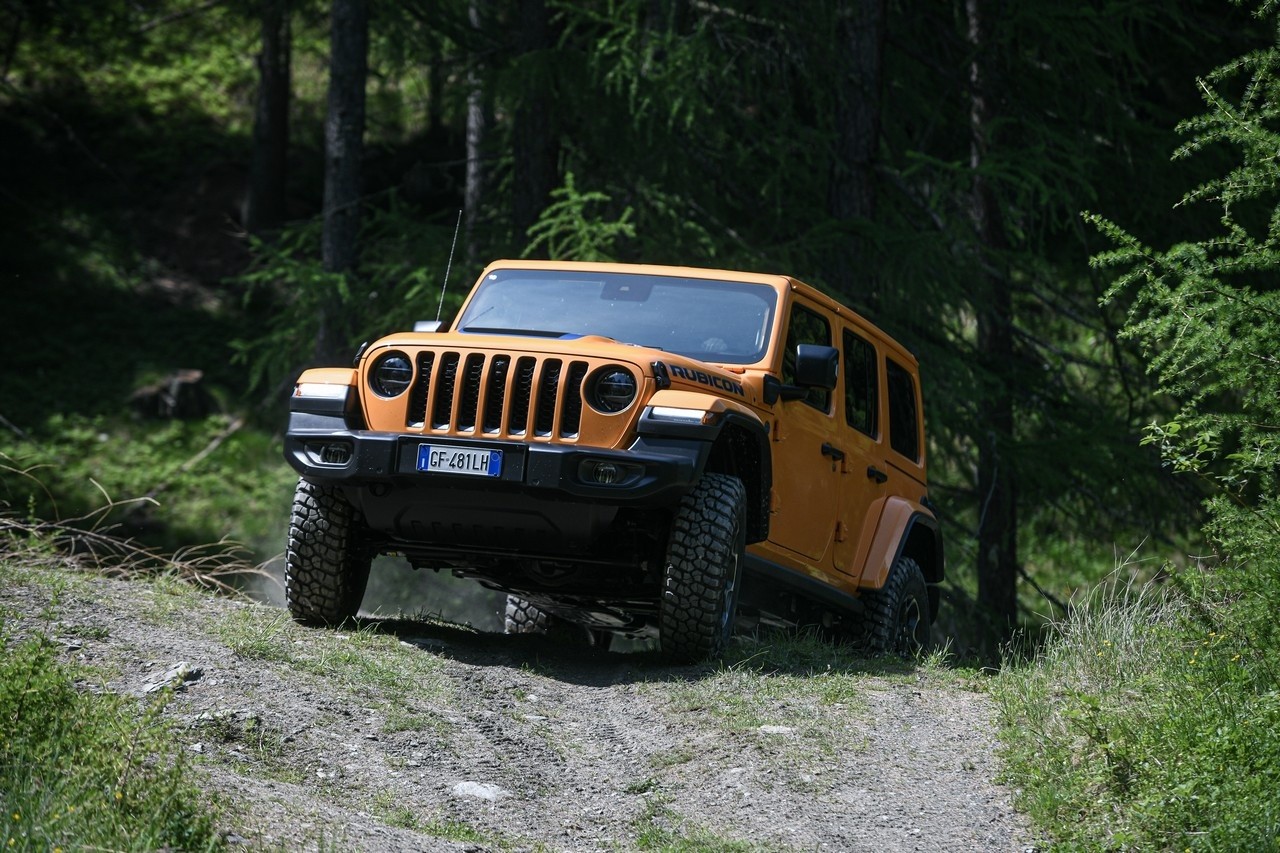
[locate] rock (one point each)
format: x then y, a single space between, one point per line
480 790
181 395
178 677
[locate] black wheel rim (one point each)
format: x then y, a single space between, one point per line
909 620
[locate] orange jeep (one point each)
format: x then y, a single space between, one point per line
637 450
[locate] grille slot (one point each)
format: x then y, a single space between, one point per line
522 396
498 394
443 414
548 390
496 391
469 402
571 412
421 389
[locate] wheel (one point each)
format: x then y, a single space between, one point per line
327 562
703 572
897 615
525 617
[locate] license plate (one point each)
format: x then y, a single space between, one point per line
437 459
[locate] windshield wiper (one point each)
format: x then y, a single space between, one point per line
532 333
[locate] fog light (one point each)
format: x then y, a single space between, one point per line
335 454
605 473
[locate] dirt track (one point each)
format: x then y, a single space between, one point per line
422 736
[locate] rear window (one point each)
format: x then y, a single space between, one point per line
904 417
861 388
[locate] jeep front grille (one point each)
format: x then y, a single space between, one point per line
497 395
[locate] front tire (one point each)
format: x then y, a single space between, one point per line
703 572
897 615
328 559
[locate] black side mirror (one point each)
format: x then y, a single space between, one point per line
817 366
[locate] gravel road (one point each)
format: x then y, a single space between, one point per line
489 742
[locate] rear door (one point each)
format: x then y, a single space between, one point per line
862 472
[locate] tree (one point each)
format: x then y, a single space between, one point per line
997 559
534 144
1206 312
268 169
344 151
479 120
860 35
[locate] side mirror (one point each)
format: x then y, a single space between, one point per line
427 326
817 366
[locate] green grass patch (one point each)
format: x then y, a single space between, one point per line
800 683
403 679
205 480
81 770
662 830
1149 720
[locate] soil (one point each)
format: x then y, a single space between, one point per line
538 746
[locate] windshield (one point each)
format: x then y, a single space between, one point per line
722 321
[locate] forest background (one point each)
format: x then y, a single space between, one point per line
168 205
248 187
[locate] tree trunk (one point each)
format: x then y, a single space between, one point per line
535 150
478 123
268 169
860 34
997 477
344 150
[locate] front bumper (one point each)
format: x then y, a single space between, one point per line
655 469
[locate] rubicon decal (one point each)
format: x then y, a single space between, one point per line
708 380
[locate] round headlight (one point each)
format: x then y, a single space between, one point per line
612 390
391 375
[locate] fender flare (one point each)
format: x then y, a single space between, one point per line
719 414
905 528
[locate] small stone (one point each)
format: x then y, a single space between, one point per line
177 676
776 730
480 790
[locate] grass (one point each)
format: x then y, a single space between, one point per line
396 678
89 770
1149 720
812 690
662 830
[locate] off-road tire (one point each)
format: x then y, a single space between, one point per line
327 563
896 619
703 572
525 617
522 617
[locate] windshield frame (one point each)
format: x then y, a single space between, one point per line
712 319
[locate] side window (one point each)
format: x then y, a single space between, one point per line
904 421
806 327
861 388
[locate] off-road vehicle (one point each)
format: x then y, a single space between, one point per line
637 450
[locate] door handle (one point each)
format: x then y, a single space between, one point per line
831 450
874 473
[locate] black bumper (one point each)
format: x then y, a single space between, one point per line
655 469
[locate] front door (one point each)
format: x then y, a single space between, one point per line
806 470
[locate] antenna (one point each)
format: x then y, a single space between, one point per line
449 265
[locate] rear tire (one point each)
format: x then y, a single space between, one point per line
703 573
522 617
328 558
525 617
897 616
